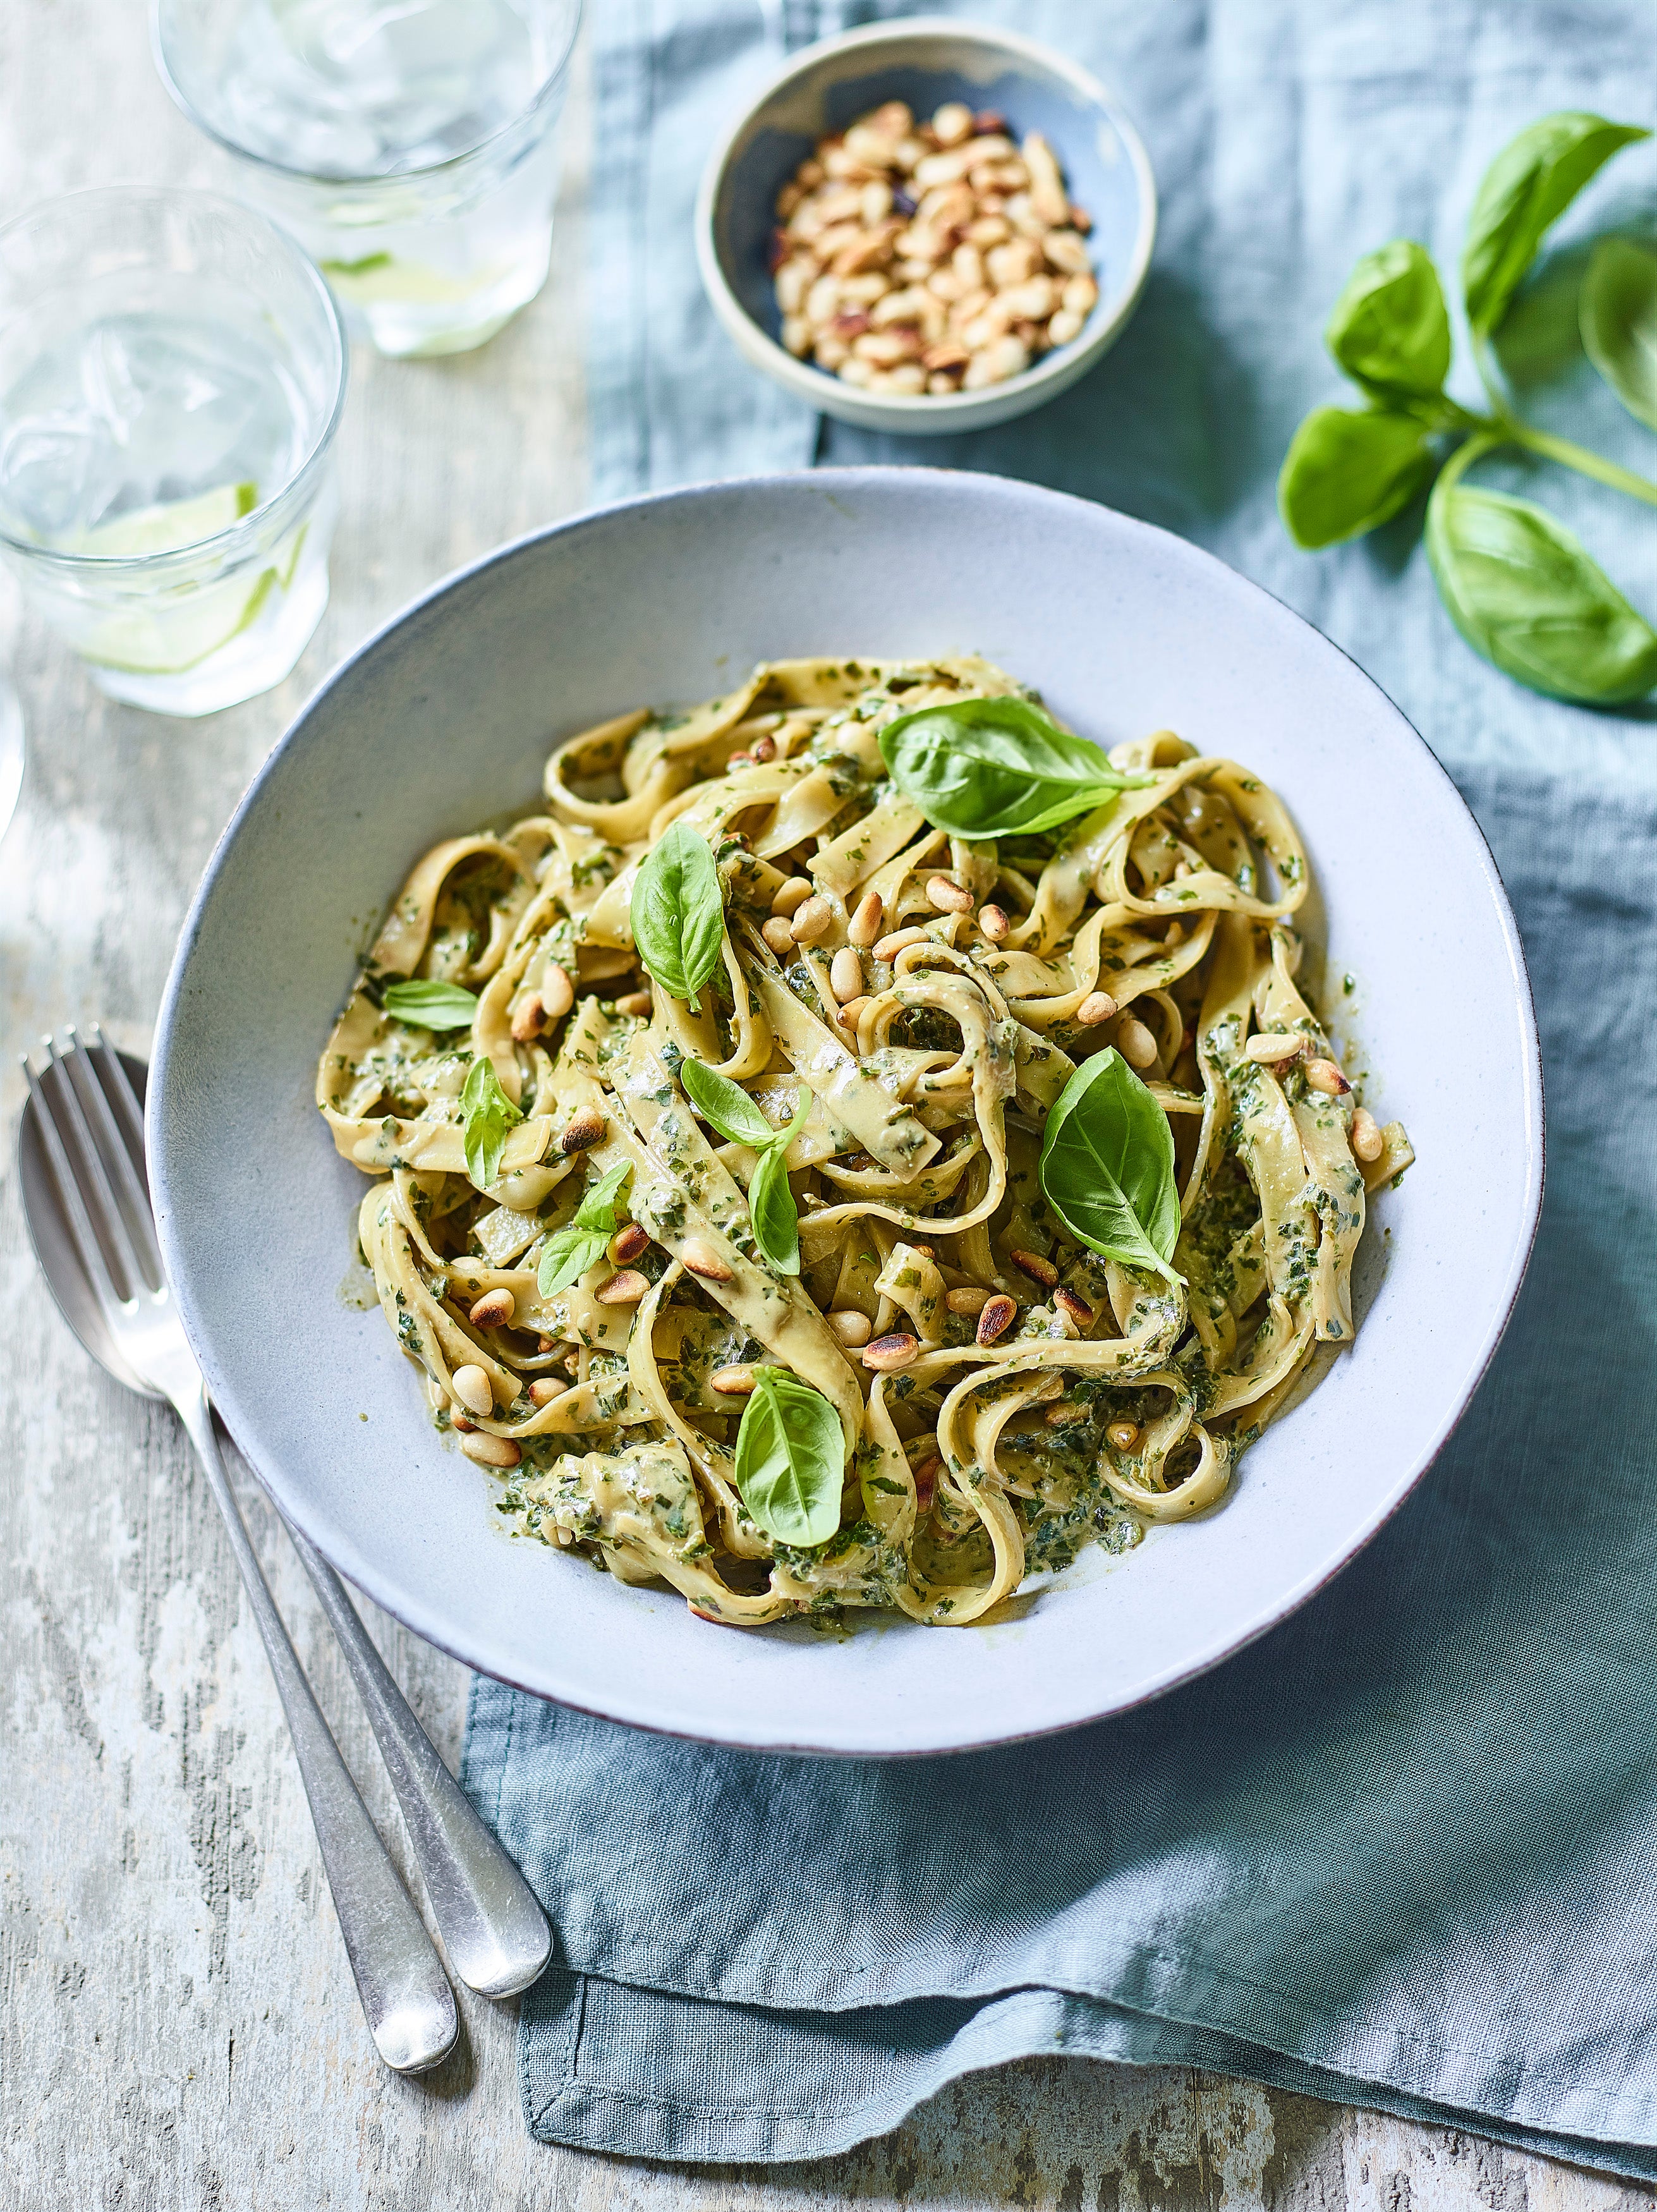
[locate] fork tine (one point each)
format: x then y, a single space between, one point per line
128 1111
140 1220
68 1190
96 1189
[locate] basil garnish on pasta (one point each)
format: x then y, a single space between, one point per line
1107 1166
570 1252
489 1117
996 767
431 1006
791 1459
677 914
770 1199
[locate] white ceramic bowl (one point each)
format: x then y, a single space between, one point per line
444 720
926 60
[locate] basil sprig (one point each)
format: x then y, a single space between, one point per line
488 1116
791 1459
1107 1166
1520 587
430 1005
996 767
570 1251
678 914
770 1199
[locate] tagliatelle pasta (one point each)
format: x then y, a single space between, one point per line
1006 1393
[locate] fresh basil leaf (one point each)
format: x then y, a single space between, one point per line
567 1255
431 1006
488 1115
1617 317
1525 191
1107 1165
1523 591
726 1104
1389 329
771 1199
678 914
996 767
1345 473
791 1459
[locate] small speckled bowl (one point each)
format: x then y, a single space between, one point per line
924 61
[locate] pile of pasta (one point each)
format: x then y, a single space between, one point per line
1116 1397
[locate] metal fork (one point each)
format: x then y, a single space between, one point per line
498 1936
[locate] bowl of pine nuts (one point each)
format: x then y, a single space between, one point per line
927 226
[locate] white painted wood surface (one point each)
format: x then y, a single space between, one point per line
177 2029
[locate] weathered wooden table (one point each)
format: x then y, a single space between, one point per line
179 2030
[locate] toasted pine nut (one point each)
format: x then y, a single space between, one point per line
702 1260
583 1131
852 1327
526 1021
1324 1075
863 927
1038 1269
845 974
1097 1006
545 1344
968 1301
733 1382
461 1421
888 1353
1079 1309
812 921
952 124
1271 1047
557 993
544 1390
625 1289
763 750
1124 1434
1136 1043
949 896
636 1002
996 1319
1065 1415
470 1385
926 1476
852 1011
890 947
1064 326
494 1309
490 1451
993 921
790 895
778 934
1367 1143
626 1244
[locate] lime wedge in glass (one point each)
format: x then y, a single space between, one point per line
164 529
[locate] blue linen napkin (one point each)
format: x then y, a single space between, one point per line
1403 1851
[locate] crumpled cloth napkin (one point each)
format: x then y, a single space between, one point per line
1403 1852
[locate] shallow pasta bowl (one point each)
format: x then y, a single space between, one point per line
443 721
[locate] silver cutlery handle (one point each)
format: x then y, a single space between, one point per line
495 1934
399 1976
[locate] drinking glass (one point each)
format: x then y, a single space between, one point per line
172 372
413 149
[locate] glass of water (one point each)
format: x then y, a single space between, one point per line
172 372
411 146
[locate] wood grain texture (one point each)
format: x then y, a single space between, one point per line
180 2033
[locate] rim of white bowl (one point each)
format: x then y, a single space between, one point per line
936 411
360 1570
